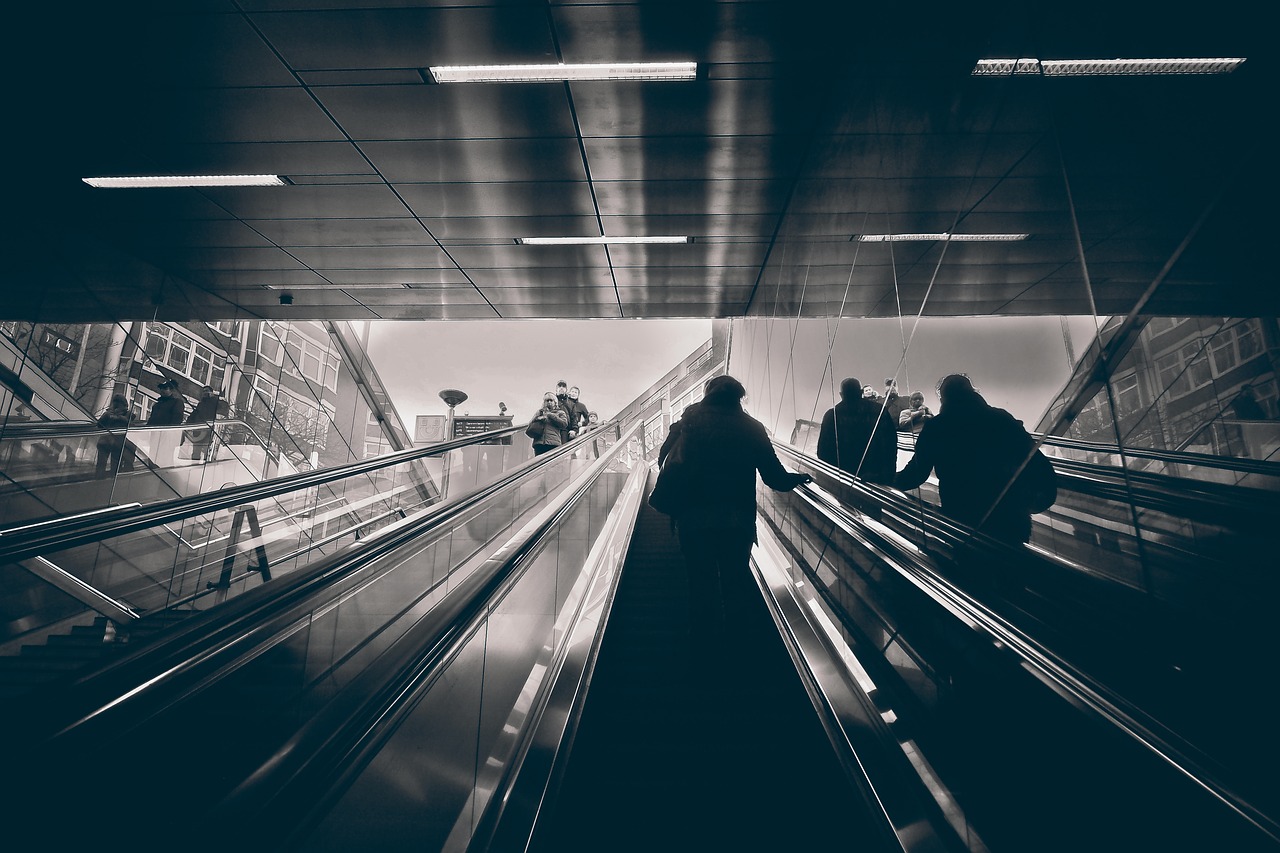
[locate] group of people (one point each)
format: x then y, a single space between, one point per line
563 416
978 451
115 453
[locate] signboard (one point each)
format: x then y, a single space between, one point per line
469 425
429 429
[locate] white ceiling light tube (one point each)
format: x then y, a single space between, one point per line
954 238
596 241
187 181
1103 67
546 73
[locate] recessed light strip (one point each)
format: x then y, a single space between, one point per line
187 181
954 238
595 241
1103 67
553 73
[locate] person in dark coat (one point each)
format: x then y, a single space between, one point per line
205 412
111 446
555 424
169 409
579 415
858 436
720 448
977 450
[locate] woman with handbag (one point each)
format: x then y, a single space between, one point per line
547 429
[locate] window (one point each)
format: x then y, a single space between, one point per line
312 360
1127 394
230 328
59 342
269 347
179 351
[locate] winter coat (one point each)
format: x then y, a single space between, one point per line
206 410
114 419
913 420
976 450
846 431
579 415
167 411
555 423
721 448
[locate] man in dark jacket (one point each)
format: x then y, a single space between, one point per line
719 449
205 412
579 414
978 450
168 410
858 436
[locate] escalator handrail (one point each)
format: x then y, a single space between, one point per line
1080 689
1202 500
906 441
197 648
59 533
305 773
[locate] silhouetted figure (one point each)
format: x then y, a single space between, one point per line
554 423
205 412
169 409
858 436
894 402
1246 406
111 446
977 450
719 448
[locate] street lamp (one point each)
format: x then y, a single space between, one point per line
452 397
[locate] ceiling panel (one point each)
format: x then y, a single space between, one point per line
799 132
477 160
421 110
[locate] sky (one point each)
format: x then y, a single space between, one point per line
1019 363
515 361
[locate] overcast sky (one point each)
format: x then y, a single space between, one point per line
1019 363
515 361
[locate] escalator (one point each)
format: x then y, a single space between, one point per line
52 469
405 694
195 728
681 749
1059 709
79 586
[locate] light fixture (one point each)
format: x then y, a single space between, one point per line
953 238
1103 67
563 71
187 181
596 241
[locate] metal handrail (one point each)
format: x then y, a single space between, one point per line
320 756
1078 687
1185 497
906 441
58 534
244 621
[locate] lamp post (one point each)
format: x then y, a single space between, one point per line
452 397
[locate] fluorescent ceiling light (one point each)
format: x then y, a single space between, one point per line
595 241
954 238
549 73
1102 67
189 181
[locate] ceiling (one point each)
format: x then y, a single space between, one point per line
808 124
